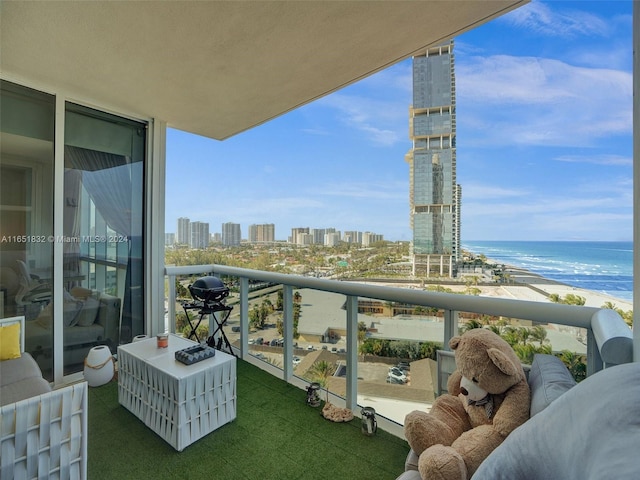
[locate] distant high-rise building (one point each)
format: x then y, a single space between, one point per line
305 239
231 234
369 238
434 196
352 236
318 235
199 235
183 233
169 239
331 239
296 232
262 233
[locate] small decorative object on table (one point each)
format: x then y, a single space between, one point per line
194 354
313 398
98 366
163 340
369 424
139 338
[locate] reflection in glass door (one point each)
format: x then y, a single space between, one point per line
103 222
26 215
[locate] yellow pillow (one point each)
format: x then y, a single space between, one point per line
10 342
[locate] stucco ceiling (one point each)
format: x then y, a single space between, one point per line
219 68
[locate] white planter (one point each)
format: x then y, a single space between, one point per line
98 366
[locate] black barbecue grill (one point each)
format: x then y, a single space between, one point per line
208 294
208 289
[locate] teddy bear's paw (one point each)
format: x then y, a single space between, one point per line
423 430
442 463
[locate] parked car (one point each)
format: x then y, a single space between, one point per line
393 379
398 374
235 328
404 366
296 360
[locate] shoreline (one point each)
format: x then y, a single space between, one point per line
538 288
524 285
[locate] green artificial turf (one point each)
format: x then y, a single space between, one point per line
275 436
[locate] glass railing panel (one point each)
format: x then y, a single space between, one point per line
265 323
397 346
528 338
320 330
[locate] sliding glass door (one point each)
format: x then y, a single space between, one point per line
103 215
101 198
26 213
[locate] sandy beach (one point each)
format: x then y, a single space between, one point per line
536 288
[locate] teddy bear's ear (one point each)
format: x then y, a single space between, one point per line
504 363
454 342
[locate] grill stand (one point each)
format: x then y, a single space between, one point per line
210 308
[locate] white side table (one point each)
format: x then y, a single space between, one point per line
181 403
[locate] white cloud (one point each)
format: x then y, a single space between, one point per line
602 159
484 192
537 101
380 120
380 191
542 20
380 107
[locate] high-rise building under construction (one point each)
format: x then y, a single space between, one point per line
434 196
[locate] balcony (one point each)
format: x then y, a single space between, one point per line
607 339
275 436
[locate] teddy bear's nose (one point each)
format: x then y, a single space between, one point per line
464 391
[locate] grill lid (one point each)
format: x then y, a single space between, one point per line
208 289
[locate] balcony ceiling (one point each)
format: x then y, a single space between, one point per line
219 68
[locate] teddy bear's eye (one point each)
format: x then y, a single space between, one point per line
474 380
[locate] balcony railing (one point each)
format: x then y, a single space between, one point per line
608 339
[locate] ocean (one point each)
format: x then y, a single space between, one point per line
605 267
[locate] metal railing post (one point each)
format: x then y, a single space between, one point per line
244 317
287 330
171 308
450 327
352 352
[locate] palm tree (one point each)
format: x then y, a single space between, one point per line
321 371
470 325
554 297
538 334
575 363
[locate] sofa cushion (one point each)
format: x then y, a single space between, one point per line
548 379
589 432
29 387
10 341
88 312
18 369
70 309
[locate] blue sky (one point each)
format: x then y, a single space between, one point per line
544 141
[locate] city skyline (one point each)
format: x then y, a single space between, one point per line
544 141
231 234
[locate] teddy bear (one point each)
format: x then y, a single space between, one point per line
488 398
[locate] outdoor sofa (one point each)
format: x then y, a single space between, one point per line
589 430
43 431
